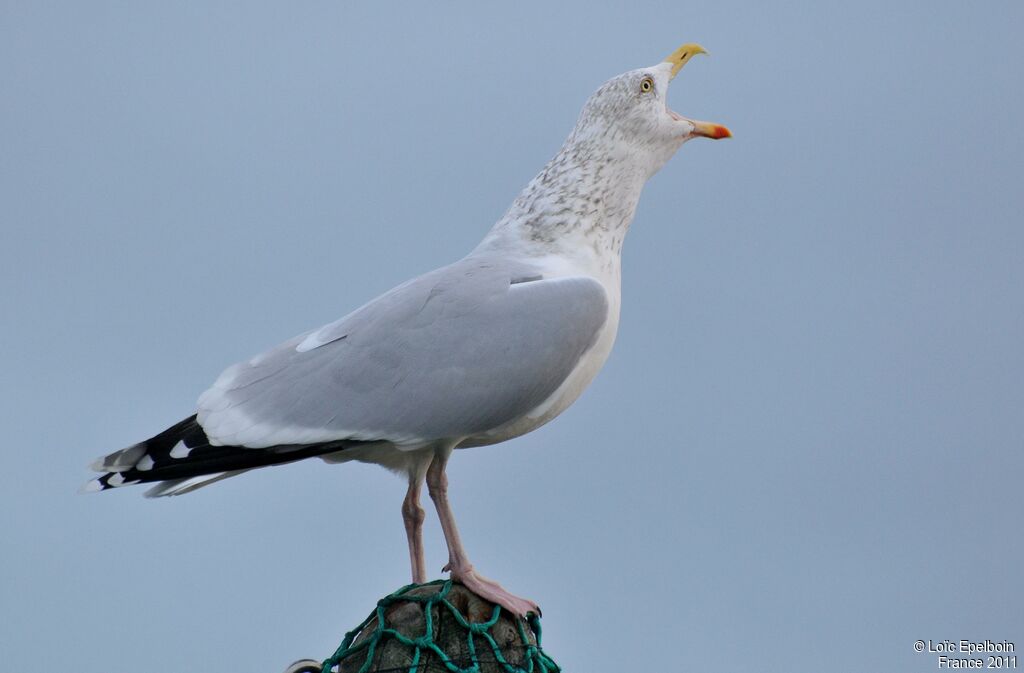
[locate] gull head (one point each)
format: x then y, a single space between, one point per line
629 115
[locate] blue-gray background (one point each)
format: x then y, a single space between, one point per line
804 454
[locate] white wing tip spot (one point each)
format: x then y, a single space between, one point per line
91 486
180 450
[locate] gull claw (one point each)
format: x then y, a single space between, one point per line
492 591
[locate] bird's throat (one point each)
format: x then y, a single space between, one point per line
580 204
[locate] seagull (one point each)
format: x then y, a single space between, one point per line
474 353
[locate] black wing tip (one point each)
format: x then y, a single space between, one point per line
183 452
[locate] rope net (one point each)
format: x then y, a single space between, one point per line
427 628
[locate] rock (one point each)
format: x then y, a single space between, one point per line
457 618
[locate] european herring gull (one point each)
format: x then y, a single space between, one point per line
477 352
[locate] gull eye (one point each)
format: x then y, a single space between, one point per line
646 85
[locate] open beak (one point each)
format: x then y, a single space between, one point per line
677 60
709 130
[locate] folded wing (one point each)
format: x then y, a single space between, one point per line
453 353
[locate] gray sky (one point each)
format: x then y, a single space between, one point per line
804 454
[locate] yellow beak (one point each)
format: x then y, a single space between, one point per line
709 130
680 56
678 59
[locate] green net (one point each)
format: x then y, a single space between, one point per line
426 627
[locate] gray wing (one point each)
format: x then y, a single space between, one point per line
453 353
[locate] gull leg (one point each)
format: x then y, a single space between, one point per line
413 515
458 562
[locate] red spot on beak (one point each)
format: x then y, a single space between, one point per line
709 130
721 132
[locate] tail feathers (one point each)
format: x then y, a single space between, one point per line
181 459
183 486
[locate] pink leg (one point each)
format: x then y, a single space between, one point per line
413 516
458 562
